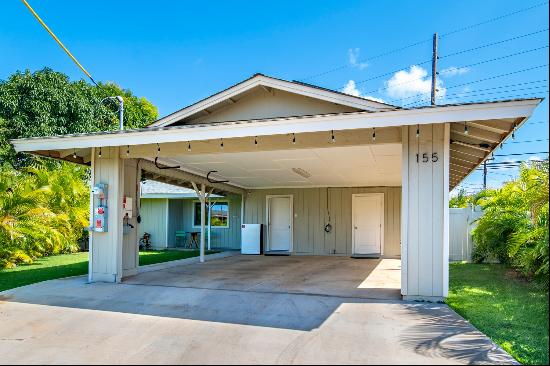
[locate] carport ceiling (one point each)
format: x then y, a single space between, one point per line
348 166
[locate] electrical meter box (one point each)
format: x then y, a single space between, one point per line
99 223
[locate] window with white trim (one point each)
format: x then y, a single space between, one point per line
220 214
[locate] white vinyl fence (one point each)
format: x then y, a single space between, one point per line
461 223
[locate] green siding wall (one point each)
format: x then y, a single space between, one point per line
310 216
153 220
222 238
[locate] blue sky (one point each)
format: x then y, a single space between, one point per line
174 52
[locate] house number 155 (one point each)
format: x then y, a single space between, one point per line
425 157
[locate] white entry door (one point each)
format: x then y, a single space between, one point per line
368 221
279 216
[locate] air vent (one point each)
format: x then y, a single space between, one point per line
301 172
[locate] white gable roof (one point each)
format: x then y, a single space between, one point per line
267 82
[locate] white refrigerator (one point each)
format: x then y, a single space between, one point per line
251 238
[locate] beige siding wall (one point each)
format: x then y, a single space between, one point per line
310 217
105 263
261 104
130 253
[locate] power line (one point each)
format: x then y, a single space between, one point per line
470 82
525 141
493 19
395 50
476 100
519 154
505 56
59 42
536 89
493 43
477 90
392 72
471 94
464 66
426 40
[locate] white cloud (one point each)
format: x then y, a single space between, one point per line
370 97
351 89
454 71
353 56
415 81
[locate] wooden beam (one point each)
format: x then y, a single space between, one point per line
359 137
466 157
458 167
474 132
471 146
463 163
267 89
466 150
496 126
184 176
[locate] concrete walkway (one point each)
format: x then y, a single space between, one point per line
236 310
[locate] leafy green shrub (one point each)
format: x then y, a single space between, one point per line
514 227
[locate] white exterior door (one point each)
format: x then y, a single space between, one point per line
280 223
368 213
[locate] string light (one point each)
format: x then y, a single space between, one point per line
514 132
74 154
293 138
127 150
158 149
466 128
256 140
417 131
99 153
188 145
221 144
374 134
333 139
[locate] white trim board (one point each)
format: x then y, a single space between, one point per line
287 125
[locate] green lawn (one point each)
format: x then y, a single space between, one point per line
510 310
67 265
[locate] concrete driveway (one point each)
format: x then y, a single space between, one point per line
238 310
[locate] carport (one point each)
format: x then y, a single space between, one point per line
328 165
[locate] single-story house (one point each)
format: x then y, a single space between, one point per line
326 173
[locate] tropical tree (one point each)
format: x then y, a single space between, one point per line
514 227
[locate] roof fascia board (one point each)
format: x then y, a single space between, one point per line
317 123
206 103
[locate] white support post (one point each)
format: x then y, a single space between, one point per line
202 198
210 204
203 212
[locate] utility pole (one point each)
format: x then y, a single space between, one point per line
485 175
434 68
